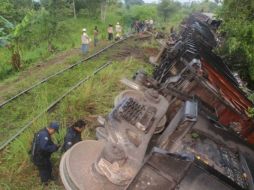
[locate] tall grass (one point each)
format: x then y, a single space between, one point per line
17 83
30 105
21 111
87 102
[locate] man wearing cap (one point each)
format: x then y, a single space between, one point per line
42 149
118 31
85 40
73 135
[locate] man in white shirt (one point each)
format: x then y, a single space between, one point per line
151 23
85 40
118 30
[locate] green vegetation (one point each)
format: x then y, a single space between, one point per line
133 2
167 8
204 6
238 30
32 31
33 50
17 83
43 32
13 117
139 12
90 100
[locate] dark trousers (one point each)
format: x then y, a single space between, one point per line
110 36
45 171
95 41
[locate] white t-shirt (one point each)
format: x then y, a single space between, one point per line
85 38
118 28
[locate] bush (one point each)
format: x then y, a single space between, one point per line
238 30
139 12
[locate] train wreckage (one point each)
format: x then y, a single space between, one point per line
185 128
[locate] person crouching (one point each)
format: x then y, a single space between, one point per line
73 135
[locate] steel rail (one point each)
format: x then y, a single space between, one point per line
61 71
3 145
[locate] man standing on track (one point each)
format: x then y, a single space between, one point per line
85 41
118 29
95 36
41 151
110 32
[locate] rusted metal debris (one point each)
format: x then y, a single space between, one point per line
184 128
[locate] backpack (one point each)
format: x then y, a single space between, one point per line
34 149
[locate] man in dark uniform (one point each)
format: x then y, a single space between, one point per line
73 135
42 149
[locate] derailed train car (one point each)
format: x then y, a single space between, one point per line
184 128
190 66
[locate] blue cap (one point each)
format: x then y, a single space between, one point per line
54 125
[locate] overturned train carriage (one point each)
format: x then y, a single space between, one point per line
184 128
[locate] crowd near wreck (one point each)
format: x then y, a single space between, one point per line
186 127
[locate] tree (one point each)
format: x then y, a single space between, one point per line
49 20
168 7
238 30
93 7
133 2
15 10
14 36
204 6
35 27
5 28
218 1
103 10
104 4
6 9
72 4
140 12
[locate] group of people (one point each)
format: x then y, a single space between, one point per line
143 25
118 31
43 146
85 39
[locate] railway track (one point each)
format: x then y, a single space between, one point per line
26 125
60 72
3 145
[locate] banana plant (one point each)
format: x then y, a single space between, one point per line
5 27
11 37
